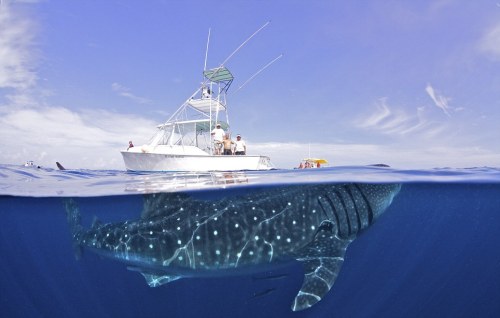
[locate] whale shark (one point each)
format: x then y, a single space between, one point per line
187 234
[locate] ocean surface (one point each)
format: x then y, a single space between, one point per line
435 252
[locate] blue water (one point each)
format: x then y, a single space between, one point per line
434 253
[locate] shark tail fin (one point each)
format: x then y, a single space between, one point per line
74 221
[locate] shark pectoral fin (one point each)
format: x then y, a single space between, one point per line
154 279
158 280
322 260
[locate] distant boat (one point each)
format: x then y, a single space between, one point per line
312 163
31 164
184 141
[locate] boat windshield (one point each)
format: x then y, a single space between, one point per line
190 133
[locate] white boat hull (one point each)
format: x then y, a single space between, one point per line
150 161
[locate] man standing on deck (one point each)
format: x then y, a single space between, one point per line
241 147
218 134
228 143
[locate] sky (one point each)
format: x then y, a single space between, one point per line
412 84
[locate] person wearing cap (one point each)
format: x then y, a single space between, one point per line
241 147
218 134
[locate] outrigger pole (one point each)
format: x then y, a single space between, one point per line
245 42
229 57
225 61
258 72
237 49
206 52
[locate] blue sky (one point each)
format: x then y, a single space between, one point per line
414 84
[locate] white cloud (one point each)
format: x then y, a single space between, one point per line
489 43
383 112
89 139
388 121
439 100
16 49
125 92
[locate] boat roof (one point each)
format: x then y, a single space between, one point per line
316 160
218 74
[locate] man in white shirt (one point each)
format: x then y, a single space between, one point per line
218 134
241 147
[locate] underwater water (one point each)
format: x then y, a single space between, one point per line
435 251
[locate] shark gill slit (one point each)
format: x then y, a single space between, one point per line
355 206
342 201
334 211
327 205
370 210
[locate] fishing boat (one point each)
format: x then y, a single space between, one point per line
184 142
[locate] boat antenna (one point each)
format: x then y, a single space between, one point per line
206 52
245 42
258 72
